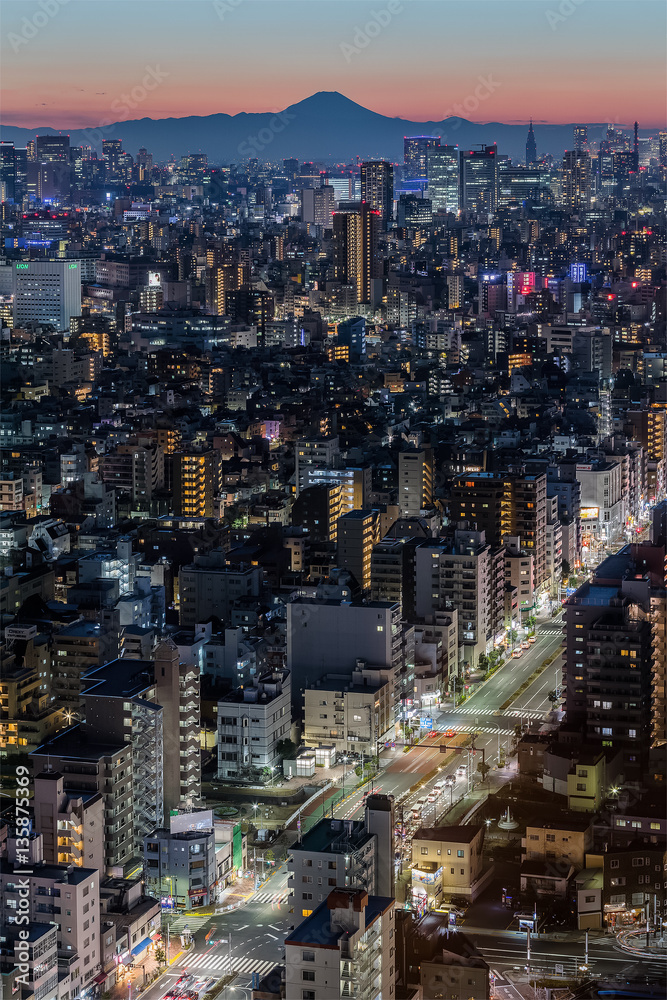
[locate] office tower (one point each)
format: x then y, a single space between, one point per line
442 167
479 180
342 949
144 163
196 482
356 254
7 171
252 720
336 854
313 454
414 211
21 174
415 156
580 137
513 504
415 481
576 179
358 532
52 148
46 292
317 205
531 146
662 149
491 294
636 149
112 152
377 187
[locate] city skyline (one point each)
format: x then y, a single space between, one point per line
211 58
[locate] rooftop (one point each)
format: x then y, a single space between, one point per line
318 930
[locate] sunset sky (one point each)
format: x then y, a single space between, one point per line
604 61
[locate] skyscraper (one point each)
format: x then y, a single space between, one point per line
531 146
356 256
576 179
112 150
377 187
7 171
47 292
52 148
580 137
479 179
415 152
443 178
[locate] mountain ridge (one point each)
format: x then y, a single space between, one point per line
325 126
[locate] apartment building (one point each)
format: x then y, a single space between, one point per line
461 571
90 768
415 481
77 648
448 861
252 720
345 948
343 854
208 586
68 899
358 531
71 823
181 864
350 712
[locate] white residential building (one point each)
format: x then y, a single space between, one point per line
345 948
251 722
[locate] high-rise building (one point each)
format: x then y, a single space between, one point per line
196 482
531 146
317 205
580 137
342 949
317 453
415 156
46 292
514 504
662 149
479 180
377 187
177 691
442 166
415 481
7 171
358 532
464 572
52 148
356 254
112 152
576 191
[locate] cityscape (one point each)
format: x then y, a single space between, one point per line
333 500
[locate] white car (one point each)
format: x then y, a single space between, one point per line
461 771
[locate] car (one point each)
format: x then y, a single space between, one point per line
525 644
461 770
450 734
516 653
532 639
433 735
450 780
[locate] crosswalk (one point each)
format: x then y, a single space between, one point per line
492 730
270 897
517 713
219 964
550 630
486 712
471 710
